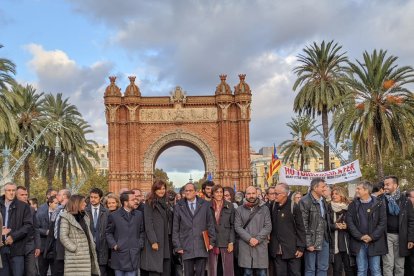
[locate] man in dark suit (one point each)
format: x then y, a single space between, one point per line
125 236
99 220
192 216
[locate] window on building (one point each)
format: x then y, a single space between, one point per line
104 164
320 166
102 155
306 167
332 165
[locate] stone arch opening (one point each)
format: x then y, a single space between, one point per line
179 138
184 144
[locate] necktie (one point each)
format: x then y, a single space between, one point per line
50 216
95 217
192 207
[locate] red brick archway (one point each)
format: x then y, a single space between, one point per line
141 128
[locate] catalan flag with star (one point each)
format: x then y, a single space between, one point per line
275 166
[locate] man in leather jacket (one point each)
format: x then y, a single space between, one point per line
315 219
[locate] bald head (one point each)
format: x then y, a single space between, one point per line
251 194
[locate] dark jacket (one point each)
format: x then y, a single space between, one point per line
343 235
313 221
33 237
406 224
21 224
158 226
99 234
225 227
288 232
54 248
126 231
188 228
377 223
42 216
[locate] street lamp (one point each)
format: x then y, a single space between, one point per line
265 176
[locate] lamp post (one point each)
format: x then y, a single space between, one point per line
255 176
7 174
265 176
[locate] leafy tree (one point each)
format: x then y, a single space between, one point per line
161 175
301 147
378 109
320 79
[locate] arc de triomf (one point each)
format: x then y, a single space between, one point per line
141 128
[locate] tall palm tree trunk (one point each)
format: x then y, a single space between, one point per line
302 160
26 167
51 168
325 126
379 162
64 170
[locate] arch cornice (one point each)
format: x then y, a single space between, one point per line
178 135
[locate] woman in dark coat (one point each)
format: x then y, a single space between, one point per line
223 213
340 238
156 255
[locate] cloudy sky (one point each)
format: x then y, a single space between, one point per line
73 46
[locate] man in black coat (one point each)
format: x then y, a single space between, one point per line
400 227
44 220
367 221
18 224
125 236
99 220
287 239
192 216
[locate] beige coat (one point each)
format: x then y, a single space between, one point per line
78 260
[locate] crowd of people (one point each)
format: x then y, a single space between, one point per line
218 232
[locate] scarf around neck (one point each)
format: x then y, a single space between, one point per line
392 202
251 205
339 206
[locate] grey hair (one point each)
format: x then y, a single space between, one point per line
284 186
366 185
315 182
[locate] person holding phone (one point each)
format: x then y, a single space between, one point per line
340 238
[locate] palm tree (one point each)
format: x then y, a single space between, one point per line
301 147
75 147
7 99
30 122
57 110
320 77
378 108
7 69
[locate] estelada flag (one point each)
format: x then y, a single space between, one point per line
275 165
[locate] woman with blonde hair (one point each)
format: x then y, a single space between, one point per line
112 202
76 237
340 246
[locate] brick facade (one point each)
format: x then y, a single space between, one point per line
141 128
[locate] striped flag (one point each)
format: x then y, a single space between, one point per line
275 166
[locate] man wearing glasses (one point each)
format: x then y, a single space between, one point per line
192 216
